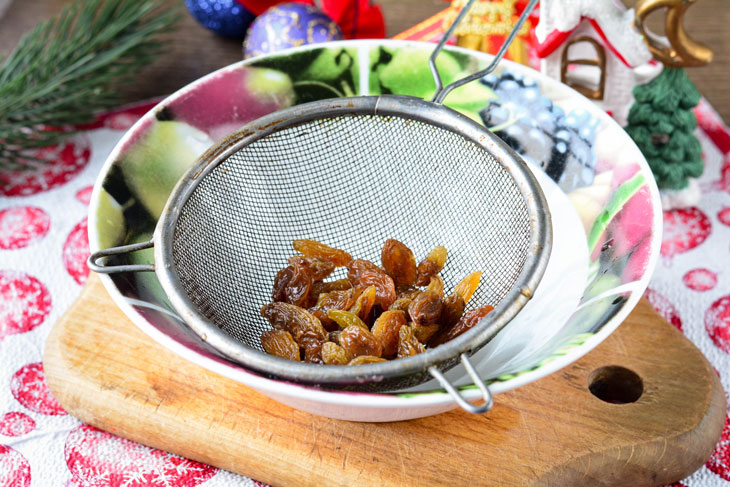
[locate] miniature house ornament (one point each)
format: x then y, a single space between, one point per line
594 47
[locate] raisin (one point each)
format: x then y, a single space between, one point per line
357 341
425 309
386 329
384 287
327 287
313 351
333 354
436 285
409 292
297 289
408 344
293 285
327 323
312 248
336 300
364 303
424 333
336 329
400 304
345 319
431 265
452 310
328 301
365 359
280 282
357 267
280 343
320 269
468 285
302 325
467 322
399 262
334 336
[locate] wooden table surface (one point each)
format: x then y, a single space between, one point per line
196 51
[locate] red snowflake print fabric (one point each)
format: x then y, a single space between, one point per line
664 307
717 323
24 302
724 216
28 386
684 230
14 468
73 483
121 121
60 165
76 252
723 183
16 424
84 195
700 279
99 459
20 226
719 462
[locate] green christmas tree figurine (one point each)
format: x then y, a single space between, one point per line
662 124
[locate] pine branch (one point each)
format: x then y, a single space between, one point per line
71 67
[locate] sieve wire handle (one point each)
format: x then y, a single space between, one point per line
97 265
466 405
442 91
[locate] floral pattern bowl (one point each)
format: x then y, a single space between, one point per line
604 203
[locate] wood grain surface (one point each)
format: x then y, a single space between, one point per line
552 432
195 51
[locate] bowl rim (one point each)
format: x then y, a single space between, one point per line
388 399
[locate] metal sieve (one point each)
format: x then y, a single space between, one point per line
350 172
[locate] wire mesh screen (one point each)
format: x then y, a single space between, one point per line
350 182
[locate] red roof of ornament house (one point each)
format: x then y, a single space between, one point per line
556 38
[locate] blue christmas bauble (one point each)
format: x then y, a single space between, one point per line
224 17
289 25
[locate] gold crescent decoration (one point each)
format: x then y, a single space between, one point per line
677 49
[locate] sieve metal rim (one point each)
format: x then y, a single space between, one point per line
406 107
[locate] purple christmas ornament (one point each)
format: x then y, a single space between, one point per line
227 18
289 25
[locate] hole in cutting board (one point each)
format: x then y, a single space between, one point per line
615 384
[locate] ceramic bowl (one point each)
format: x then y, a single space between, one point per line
604 204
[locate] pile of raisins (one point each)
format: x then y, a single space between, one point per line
375 314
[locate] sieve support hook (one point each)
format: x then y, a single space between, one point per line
466 405
96 263
442 91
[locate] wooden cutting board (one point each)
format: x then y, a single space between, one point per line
553 432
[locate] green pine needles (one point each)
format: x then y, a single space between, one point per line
662 124
71 67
